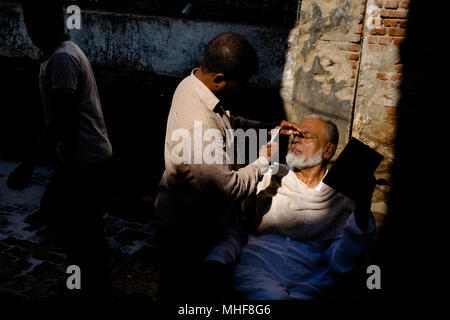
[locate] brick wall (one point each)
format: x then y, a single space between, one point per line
378 91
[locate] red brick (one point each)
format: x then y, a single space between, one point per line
353 74
397 32
353 56
379 3
390 22
381 76
360 28
378 31
376 47
388 138
352 47
384 40
391 4
404 4
391 120
354 65
403 23
398 68
396 76
387 127
377 22
399 14
398 41
372 39
391 111
355 38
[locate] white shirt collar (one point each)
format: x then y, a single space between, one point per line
209 99
320 185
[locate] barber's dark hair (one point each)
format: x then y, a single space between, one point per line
230 54
49 12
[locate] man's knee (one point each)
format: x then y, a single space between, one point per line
259 286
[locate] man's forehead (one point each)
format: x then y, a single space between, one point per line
312 125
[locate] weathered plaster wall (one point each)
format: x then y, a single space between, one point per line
158 45
327 57
348 67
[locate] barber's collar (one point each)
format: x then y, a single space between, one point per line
209 99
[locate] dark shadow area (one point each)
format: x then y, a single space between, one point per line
409 247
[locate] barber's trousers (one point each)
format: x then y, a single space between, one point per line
71 206
182 273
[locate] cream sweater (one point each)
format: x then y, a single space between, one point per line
290 208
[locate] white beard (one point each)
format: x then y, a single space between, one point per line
301 162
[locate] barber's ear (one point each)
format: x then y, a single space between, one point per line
218 78
219 81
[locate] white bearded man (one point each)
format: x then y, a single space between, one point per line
302 232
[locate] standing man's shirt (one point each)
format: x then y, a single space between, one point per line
86 141
198 196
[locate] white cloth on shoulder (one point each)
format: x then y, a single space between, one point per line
298 211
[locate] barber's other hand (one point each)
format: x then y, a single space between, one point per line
21 175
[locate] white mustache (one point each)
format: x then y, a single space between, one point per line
301 162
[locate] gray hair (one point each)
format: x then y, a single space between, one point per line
332 133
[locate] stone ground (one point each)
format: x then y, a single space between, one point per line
32 266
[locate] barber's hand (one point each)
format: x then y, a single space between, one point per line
363 202
288 128
19 178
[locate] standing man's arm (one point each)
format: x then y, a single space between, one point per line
239 122
233 184
237 184
63 73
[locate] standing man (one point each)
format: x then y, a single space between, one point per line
196 200
75 126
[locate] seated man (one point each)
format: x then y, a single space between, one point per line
304 232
